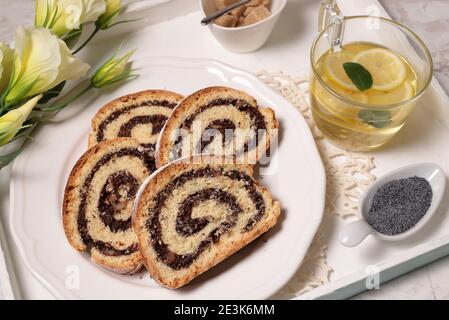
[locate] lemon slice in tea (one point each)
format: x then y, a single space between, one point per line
337 107
356 96
386 67
333 68
396 95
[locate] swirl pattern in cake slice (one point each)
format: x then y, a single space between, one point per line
98 199
219 121
140 115
193 213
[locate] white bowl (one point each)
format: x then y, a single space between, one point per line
243 39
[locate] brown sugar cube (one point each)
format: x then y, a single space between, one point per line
251 8
224 3
257 14
256 3
248 11
227 20
241 22
238 12
266 3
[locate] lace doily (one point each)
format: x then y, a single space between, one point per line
348 174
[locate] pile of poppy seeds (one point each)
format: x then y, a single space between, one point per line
399 205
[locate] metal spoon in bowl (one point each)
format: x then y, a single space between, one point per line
223 11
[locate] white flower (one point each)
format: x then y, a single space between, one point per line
6 61
92 9
63 16
11 122
41 62
46 12
112 71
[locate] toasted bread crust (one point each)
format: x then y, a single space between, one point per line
196 100
124 264
126 100
219 252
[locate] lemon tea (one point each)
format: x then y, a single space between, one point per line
358 118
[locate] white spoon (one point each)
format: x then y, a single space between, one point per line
355 232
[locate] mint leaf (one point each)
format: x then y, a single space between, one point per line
359 75
376 118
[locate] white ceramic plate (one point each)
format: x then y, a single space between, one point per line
295 176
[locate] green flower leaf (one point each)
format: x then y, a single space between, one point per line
8 158
113 9
72 37
359 75
376 118
52 93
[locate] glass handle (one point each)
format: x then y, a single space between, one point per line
330 14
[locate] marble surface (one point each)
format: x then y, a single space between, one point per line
430 19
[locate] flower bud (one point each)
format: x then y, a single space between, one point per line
112 10
112 71
12 121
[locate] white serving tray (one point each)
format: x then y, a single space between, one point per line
423 139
